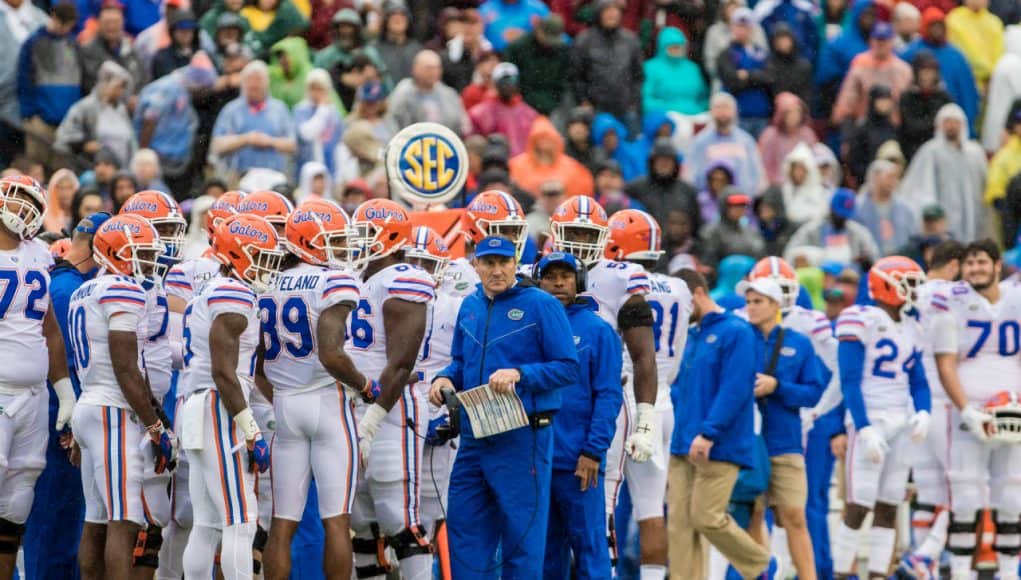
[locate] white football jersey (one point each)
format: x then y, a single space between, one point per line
987 339
187 278
366 337
88 319
671 305
24 300
439 332
461 277
289 318
220 295
891 350
611 284
932 303
157 353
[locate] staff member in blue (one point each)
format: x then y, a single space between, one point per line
789 378
55 524
583 430
518 340
713 439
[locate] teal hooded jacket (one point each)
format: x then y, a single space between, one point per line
673 83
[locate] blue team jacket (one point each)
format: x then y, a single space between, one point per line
522 328
64 280
800 384
588 414
713 394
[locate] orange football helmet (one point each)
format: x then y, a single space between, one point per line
318 231
1005 410
268 204
634 235
781 272
892 280
22 205
382 227
163 212
129 245
248 245
60 248
579 227
428 250
225 206
497 213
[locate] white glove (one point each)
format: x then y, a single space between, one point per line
65 397
641 444
367 428
920 426
975 420
873 443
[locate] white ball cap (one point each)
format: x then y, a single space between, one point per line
765 286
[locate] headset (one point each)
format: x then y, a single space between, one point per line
580 271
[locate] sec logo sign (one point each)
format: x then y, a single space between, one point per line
426 164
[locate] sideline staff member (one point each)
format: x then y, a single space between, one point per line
583 430
516 339
790 378
713 439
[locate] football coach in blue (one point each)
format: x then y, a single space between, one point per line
517 339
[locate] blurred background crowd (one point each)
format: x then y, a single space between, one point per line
831 134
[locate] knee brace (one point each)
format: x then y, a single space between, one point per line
147 548
961 540
923 515
258 546
1008 537
410 542
10 536
376 547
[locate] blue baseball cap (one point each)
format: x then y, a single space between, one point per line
496 246
882 31
557 258
91 224
842 203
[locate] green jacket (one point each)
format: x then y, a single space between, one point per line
289 88
287 21
543 72
333 55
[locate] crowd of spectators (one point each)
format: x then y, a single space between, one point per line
831 133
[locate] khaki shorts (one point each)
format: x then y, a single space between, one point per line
788 484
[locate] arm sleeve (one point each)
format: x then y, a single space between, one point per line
559 366
727 72
123 296
736 384
606 367
413 286
178 283
230 298
851 354
920 393
807 386
339 287
944 334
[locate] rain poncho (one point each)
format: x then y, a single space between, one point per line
979 35
950 174
810 200
93 119
289 86
1004 88
673 83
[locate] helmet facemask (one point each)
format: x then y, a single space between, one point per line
436 266
515 230
588 249
21 211
261 274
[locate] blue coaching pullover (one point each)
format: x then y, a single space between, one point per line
588 415
799 384
522 328
713 393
